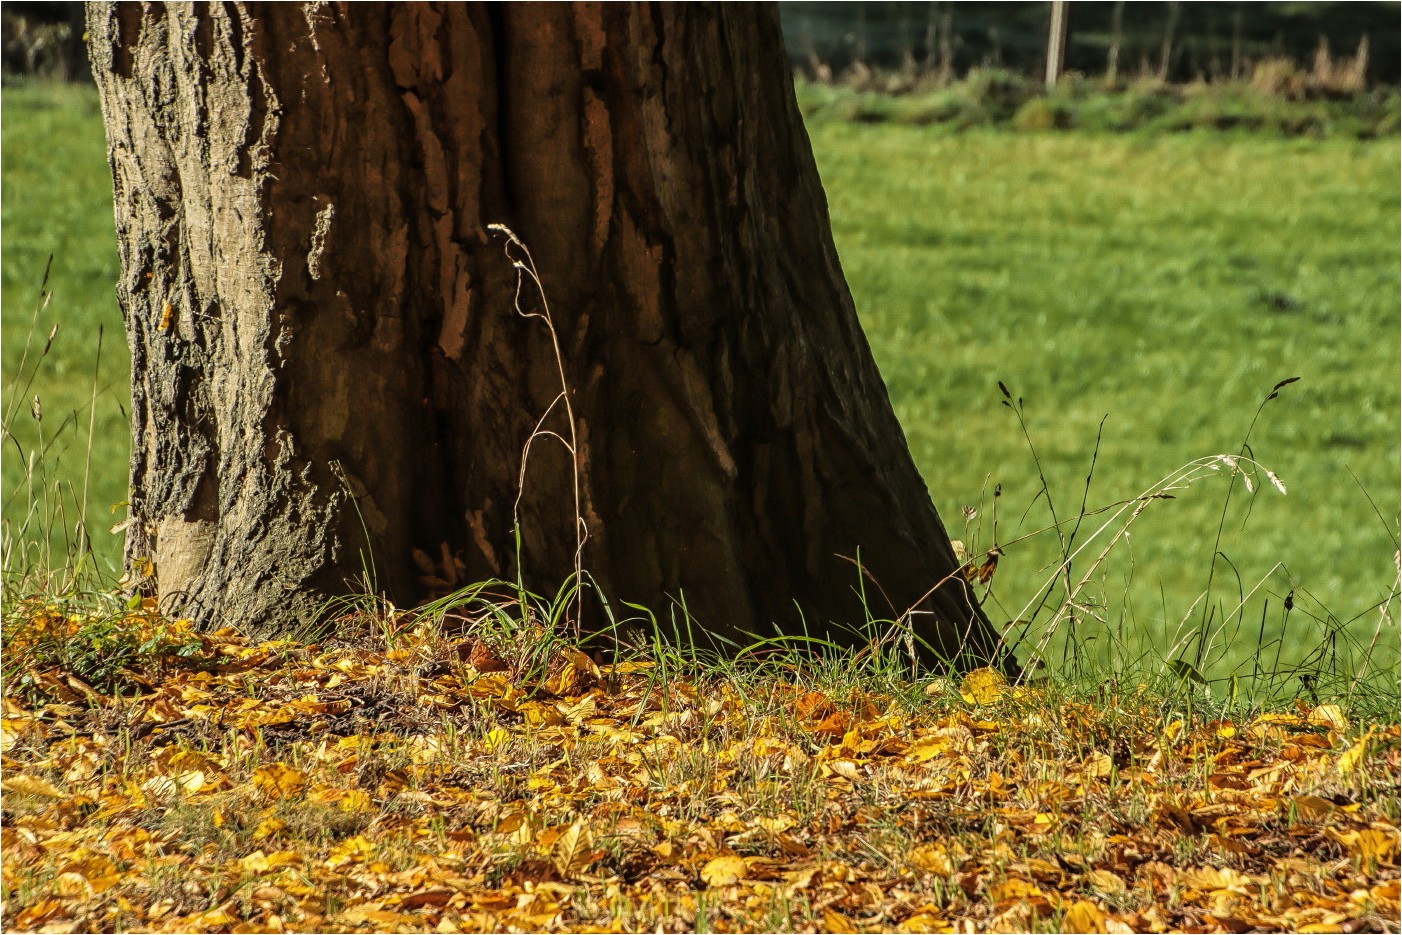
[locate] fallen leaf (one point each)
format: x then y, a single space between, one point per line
1330 716
573 851
1103 881
72 886
836 922
983 686
927 748
1084 916
495 738
813 706
352 850
723 871
30 785
1311 807
1354 756
927 923
278 781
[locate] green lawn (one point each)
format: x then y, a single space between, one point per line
58 201
1166 282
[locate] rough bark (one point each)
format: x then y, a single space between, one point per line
330 368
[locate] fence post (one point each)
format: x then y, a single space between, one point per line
1056 42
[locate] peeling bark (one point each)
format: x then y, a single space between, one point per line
344 376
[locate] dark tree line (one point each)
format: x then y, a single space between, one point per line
1204 39
1211 41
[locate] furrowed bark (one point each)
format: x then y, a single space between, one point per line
331 369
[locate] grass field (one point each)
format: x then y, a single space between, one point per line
57 200
1167 282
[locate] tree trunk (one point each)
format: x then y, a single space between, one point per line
333 366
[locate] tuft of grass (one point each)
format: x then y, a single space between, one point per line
94 643
63 469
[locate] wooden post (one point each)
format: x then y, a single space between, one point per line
1056 42
946 69
1112 58
1166 53
1237 22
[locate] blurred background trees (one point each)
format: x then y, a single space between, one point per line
1344 46
1176 42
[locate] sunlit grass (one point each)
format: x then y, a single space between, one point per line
58 202
1164 282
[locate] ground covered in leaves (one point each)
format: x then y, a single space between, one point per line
175 781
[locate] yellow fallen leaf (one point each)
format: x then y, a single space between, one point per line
1389 892
723 871
775 825
355 800
259 862
72 886
580 710
30 785
1103 881
350 851
39 913
495 738
323 794
1016 888
1311 807
933 858
836 922
490 686
1329 715
1084 916
1373 844
1353 757
218 917
1212 879
194 782
268 827
383 920
1099 764
278 780
573 851
983 686
567 679
846 769
99 872
926 923
927 748
159 786
510 822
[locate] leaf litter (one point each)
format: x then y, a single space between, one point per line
242 786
